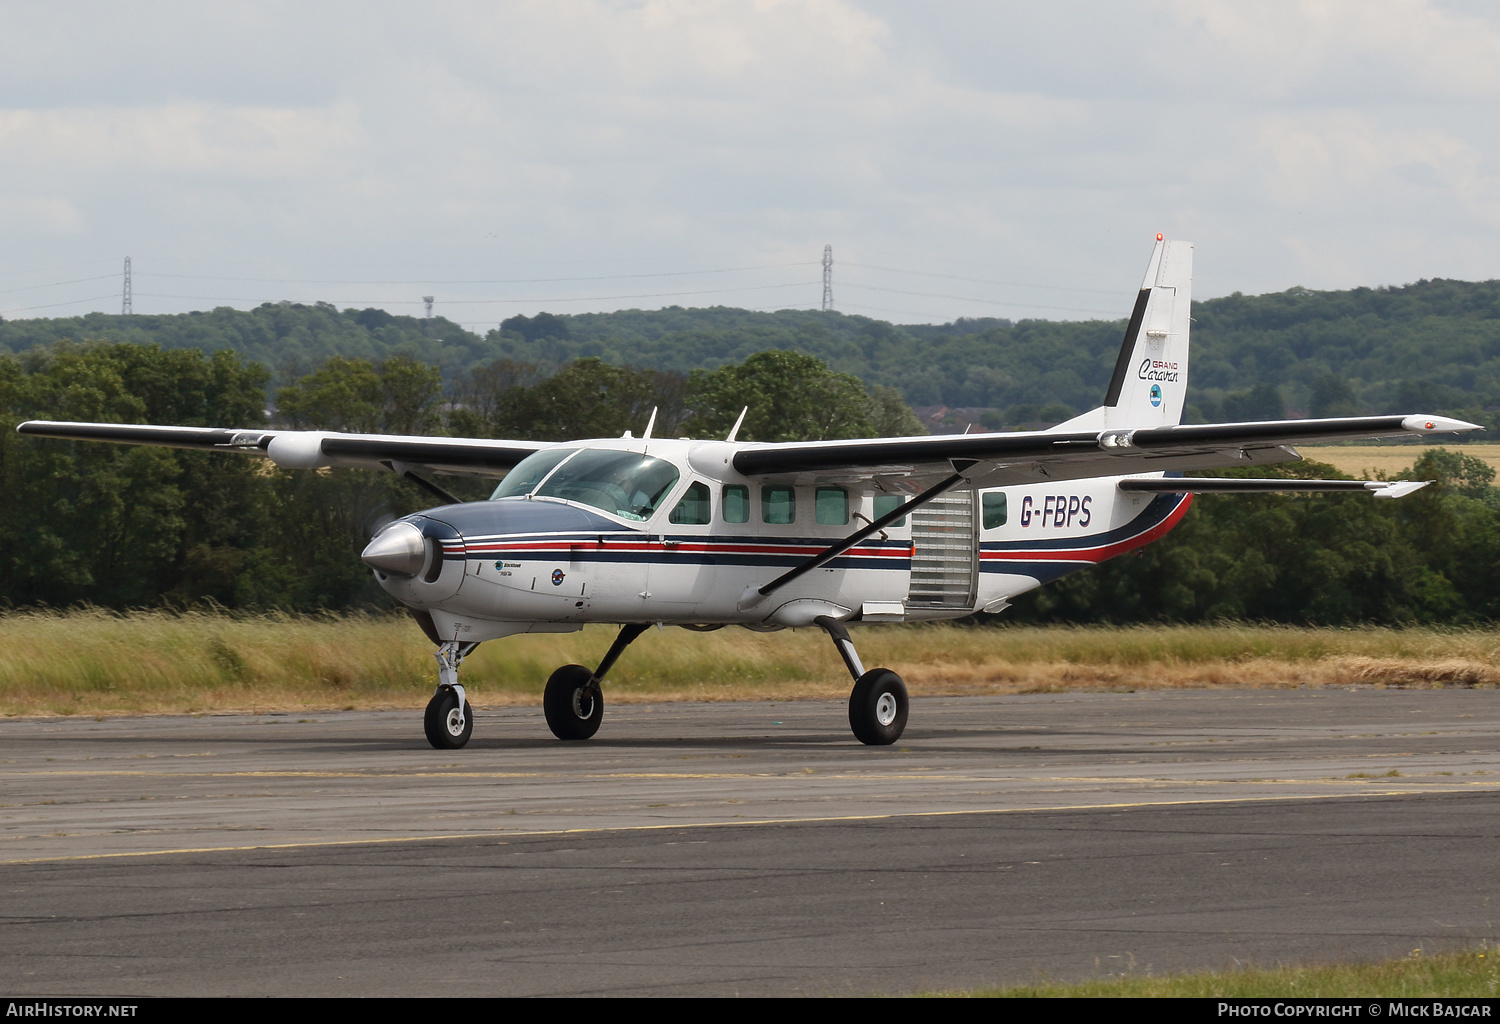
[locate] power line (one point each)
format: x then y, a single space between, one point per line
981 280
515 280
56 284
987 302
740 254
494 302
54 305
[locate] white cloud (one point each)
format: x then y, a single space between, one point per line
1326 144
42 215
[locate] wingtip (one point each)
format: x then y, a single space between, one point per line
1395 488
1421 424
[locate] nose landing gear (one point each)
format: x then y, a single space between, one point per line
449 720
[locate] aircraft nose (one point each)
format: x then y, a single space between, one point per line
398 550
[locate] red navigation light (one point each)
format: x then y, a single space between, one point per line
1429 424
1158 236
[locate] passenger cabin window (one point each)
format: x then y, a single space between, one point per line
778 504
736 503
831 506
888 503
994 509
695 508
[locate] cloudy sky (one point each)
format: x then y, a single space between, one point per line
962 158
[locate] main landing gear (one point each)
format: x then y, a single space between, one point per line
878 703
573 702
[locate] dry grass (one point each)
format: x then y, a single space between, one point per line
1393 460
95 662
1472 974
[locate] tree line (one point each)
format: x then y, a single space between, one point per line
125 526
1432 346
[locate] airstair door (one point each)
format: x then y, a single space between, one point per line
945 552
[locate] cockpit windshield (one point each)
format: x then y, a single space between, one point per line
530 471
627 484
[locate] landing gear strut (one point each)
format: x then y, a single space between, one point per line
573 701
449 721
878 703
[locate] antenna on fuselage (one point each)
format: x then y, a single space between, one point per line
736 428
649 424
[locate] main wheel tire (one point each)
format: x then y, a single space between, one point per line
573 703
877 707
448 726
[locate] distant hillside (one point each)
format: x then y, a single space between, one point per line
1433 346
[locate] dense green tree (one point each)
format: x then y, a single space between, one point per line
592 398
123 525
790 397
397 396
1332 396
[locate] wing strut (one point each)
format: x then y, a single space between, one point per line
443 495
830 553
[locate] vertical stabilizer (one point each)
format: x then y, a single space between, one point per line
1149 384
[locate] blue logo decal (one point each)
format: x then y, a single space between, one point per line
558 576
1156 394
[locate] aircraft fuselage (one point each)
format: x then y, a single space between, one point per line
534 562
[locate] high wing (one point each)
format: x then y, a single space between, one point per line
986 460
992 460
311 449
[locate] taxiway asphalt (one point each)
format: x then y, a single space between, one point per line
746 849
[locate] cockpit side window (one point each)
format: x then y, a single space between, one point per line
695 508
529 472
736 505
627 484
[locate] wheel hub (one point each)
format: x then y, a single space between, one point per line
885 709
455 721
583 702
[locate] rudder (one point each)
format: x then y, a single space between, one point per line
1149 383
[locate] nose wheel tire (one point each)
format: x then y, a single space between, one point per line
877 707
448 726
573 703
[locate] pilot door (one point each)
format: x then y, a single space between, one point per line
944 552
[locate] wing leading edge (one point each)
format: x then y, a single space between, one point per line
310 449
1016 457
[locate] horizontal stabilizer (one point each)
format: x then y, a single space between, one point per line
1233 485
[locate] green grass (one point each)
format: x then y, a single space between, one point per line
97 662
1467 974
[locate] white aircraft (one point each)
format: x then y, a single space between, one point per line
708 533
